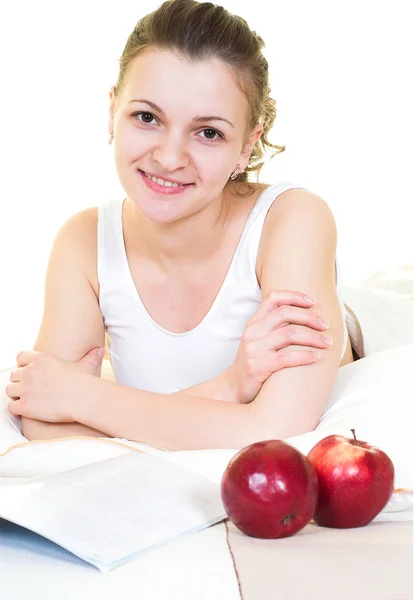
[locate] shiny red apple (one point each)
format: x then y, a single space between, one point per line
355 481
269 490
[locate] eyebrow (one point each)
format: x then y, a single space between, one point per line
155 107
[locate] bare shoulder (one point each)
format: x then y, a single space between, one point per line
296 207
297 200
292 206
79 237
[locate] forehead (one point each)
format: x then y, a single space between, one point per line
172 81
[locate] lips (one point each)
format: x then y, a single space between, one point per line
164 178
161 190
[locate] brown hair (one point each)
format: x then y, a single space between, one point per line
199 31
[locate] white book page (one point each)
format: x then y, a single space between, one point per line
110 511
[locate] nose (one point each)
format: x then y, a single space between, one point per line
171 153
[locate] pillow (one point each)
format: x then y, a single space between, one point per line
374 396
377 319
395 278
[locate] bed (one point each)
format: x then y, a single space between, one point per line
373 395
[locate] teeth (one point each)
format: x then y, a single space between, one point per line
161 181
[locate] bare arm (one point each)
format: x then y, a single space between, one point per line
72 322
302 230
219 389
41 430
168 421
291 401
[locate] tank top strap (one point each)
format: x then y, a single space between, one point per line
269 195
110 247
249 245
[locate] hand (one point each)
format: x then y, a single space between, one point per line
44 386
283 319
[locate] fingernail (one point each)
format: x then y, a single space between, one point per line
323 323
309 300
326 339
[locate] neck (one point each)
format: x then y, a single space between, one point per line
184 243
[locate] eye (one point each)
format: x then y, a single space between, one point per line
210 131
146 115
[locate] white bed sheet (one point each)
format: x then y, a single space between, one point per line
199 565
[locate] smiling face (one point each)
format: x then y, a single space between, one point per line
163 126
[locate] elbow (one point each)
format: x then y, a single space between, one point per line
30 428
268 433
271 427
259 427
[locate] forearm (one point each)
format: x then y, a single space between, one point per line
171 422
33 429
219 388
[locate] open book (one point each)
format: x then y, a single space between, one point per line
109 512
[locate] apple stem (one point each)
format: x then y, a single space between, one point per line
355 440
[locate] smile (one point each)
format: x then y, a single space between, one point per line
164 181
162 186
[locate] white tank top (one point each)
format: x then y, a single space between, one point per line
144 355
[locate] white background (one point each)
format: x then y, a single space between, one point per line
341 73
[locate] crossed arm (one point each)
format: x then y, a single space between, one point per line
299 255
33 429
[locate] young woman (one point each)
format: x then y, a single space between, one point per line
197 276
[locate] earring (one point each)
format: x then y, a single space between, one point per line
111 138
236 173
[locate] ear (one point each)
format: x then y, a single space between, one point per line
248 146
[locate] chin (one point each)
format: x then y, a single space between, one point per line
159 212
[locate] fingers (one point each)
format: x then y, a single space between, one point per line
288 315
24 357
14 408
12 391
291 335
277 361
16 375
302 336
270 362
277 298
294 358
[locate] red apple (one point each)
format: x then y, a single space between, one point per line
355 481
269 490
